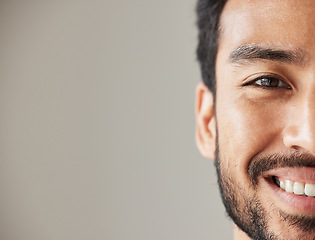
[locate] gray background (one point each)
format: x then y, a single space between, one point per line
97 123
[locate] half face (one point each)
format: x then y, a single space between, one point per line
265 116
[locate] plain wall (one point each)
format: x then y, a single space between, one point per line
97 123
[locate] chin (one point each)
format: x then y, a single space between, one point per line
261 211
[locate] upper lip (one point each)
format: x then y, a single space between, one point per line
295 174
274 165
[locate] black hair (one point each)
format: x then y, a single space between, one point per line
208 18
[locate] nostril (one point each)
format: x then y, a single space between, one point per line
299 138
295 147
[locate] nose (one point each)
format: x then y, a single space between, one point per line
299 133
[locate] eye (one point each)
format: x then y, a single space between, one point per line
269 82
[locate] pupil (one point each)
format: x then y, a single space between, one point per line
269 82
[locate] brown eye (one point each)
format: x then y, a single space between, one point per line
271 82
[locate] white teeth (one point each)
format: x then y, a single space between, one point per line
310 190
298 188
288 186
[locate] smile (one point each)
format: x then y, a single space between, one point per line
298 188
292 188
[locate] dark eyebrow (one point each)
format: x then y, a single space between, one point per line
256 52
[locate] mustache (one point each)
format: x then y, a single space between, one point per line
260 164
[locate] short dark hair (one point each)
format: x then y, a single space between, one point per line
208 18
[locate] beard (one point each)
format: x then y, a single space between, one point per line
247 211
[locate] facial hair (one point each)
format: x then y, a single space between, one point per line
247 212
252 218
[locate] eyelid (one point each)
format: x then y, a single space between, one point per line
250 81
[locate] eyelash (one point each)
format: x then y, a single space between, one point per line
263 81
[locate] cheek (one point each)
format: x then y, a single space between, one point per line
247 128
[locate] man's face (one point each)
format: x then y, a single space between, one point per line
265 116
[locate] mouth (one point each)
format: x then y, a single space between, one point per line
293 189
298 188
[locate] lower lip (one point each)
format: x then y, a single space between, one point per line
299 204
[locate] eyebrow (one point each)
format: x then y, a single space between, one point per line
256 52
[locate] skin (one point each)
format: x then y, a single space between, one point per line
253 120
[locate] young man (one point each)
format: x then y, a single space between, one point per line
255 112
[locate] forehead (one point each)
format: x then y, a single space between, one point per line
284 24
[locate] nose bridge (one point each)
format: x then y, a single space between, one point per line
300 131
